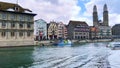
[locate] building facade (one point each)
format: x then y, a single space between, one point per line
52 30
62 30
40 29
104 32
16 24
97 22
95 16
78 30
93 32
116 31
102 29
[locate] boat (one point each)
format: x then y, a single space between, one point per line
65 43
114 45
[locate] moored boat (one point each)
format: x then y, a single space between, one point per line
64 43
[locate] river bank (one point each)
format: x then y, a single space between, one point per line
47 43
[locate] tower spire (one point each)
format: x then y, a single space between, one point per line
94 8
105 16
95 16
105 8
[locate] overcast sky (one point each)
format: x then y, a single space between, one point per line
65 10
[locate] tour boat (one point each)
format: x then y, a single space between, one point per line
64 43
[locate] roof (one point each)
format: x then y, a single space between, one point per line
116 26
74 23
5 6
40 20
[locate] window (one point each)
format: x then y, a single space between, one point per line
29 18
76 33
4 16
21 34
3 24
101 31
3 34
21 25
12 25
12 34
12 17
16 8
28 25
0 15
28 34
21 18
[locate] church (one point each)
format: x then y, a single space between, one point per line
101 29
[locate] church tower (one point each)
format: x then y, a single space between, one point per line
105 15
95 16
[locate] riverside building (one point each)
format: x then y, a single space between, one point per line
16 25
116 31
62 30
78 30
40 29
102 29
52 31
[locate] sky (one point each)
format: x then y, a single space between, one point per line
66 10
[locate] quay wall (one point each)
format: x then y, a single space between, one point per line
48 42
12 43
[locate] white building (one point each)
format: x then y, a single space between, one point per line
40 29
16 26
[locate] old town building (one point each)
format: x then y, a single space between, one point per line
116 31
78 30
40 29
52 31
102 29
62 30
93 32
16 25
104 32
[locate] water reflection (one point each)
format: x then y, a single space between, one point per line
50 57
16 57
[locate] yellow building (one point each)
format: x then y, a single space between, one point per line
16 25
52 30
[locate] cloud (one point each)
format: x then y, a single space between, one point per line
58 10
114 13
114 19
65 10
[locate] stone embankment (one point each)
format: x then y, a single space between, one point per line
48 42
16 43
20 43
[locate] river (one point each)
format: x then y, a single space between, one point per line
89 55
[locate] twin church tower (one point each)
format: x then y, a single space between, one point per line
96 22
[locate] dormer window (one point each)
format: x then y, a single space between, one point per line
16 8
